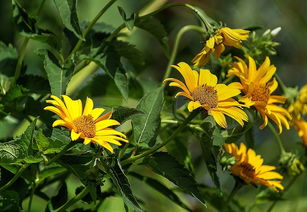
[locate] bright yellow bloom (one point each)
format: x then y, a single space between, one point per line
203 91
86 123
257 89
249 167
301 127
298 109
216 44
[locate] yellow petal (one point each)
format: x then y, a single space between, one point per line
104 144
106 116
110 132
219 118
225 92
206 78
106 123
189 78
86 141
193 105
88 106
74 136
95 113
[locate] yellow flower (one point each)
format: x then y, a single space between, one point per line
86 123
298 109
203 91
249 167
216 44
301 127
257 89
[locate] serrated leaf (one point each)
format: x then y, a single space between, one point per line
121 182
69 16
154 27
165 191
167 166
122 114
58 78
146 125
20 149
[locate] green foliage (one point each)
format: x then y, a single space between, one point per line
104 50
146 125
167 166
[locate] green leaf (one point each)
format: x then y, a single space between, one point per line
58 77
167 166
146 126
210 160
122 114
121 81
19 149
69 16
218 139
129 22
154 27
121 182
158 186
7 52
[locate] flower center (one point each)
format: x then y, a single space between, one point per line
247 170
206 95
86 126
261 94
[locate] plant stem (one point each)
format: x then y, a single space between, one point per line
89 27
157 147
63 151
22 53
16 176
277 138
31 196
73 200
175 48
235 189
23 48
287 188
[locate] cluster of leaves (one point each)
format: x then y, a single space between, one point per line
26 170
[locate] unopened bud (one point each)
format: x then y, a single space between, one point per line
275 31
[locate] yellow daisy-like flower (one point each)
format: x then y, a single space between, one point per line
301 127
257 89
298 109
216 44
86 123
249 167
203 91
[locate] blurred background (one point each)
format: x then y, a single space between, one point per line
290 60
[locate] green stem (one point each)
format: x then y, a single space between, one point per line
66 148
22 53
283 192
277 138
74 200
23 48
31 196
175 48
157 147
16 176
235 189
89 27
194 9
